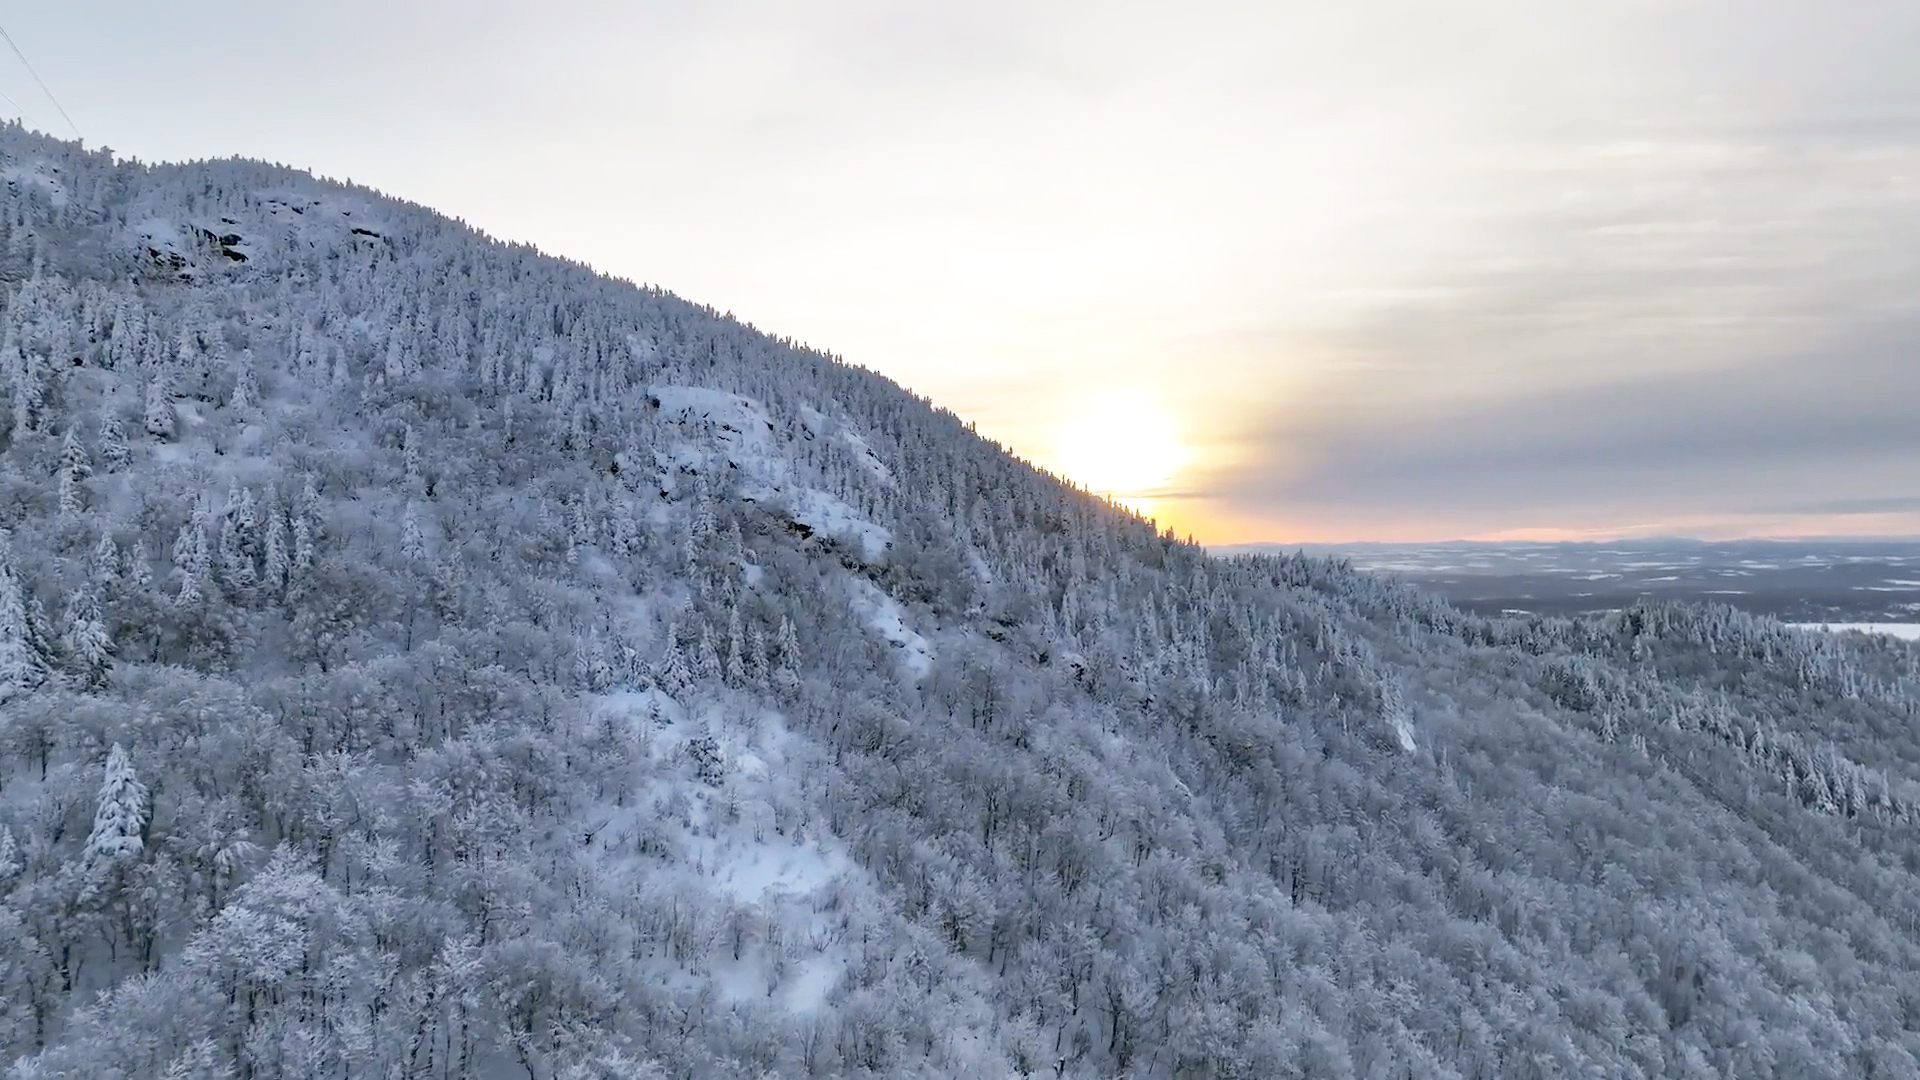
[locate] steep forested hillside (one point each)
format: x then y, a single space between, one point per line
422 657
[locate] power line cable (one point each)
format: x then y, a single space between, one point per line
15 104
42 83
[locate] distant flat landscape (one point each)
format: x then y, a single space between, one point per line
1825 582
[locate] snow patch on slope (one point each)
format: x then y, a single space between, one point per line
725 434
331 219
1403 731
867 458
881 614
733 416
982 572
718 434
164 238
722 847
828 516
818 425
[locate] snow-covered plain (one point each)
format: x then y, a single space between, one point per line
1903 631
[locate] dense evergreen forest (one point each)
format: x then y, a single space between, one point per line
422 657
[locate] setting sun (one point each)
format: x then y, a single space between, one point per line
1121 444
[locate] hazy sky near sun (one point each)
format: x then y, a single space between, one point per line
1378 269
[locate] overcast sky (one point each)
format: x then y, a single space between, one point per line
1384 269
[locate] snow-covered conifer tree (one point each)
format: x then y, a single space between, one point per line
736 648
700 526
786 675
302 546
113 444
186 351
73 456
104 563
591 667
159 408
140 565
756 657
88 646
413 542
192 558
120 816
246 388
706 663
674 676
27 392
736 548
9 855
22 666
70 503
279 561
237 539
304 510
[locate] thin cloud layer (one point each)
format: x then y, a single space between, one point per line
1802 437
1700 336
1393 268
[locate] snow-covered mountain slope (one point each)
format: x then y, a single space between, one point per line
420 656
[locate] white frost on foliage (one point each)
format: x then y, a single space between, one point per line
37 174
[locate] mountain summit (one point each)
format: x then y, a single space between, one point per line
424 657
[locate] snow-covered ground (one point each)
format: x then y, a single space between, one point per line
1904 631
777 910
1811 581
828 516
1403 731
881 614
723 844
721 433
37 174
818 425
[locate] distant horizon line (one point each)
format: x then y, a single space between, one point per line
1292 545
